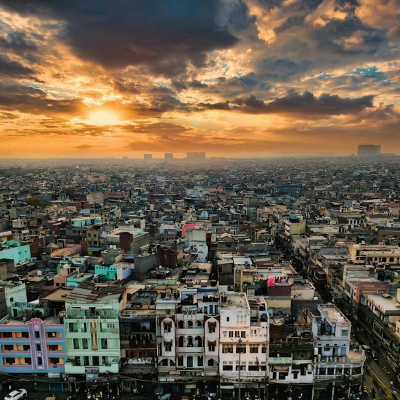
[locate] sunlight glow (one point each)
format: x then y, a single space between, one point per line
102 118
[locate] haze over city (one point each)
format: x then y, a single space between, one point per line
232 78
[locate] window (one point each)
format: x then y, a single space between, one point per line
95 360
104 343
200 361
345 332
180 361
37 335
243 334
237 334
9 360
211 327
227 348
263 349
227 368
253 367
77 360
190 362
168 346
39 361
9 347
85 344
38 347
240 368
253 349
211 347
241 349
73 327
227 319
53 360
230 333
84 327
110 326
76 343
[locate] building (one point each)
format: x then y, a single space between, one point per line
169 156
147 157
244 343
196 155
32 347
335 363
369 150
92 329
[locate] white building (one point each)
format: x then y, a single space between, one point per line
244 340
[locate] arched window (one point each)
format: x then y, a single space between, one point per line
181 324
180 341
190 324
198 324
199 341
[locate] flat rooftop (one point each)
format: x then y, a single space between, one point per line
235 301
384 303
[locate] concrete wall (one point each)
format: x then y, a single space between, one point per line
144 264
139 241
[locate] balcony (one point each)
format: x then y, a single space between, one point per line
357 359
190 349
244 374
195 331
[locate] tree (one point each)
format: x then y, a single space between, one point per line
33 201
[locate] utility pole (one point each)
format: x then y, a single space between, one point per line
240 341
240 365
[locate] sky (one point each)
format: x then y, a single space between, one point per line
233 78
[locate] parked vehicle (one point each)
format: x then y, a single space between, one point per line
17 395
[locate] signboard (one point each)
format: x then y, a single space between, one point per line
91 370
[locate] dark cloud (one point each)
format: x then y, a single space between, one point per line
126 87
295 103
13 69
165 36
30 100
18 42
282 69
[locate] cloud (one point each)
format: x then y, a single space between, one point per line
86 146
295 103
30 100
13 69
165 37
381 14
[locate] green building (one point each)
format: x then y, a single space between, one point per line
92 329
16 251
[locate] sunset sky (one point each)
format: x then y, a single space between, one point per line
240 78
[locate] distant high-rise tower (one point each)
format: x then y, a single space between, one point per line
169 156
368 150
148 157
196 155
